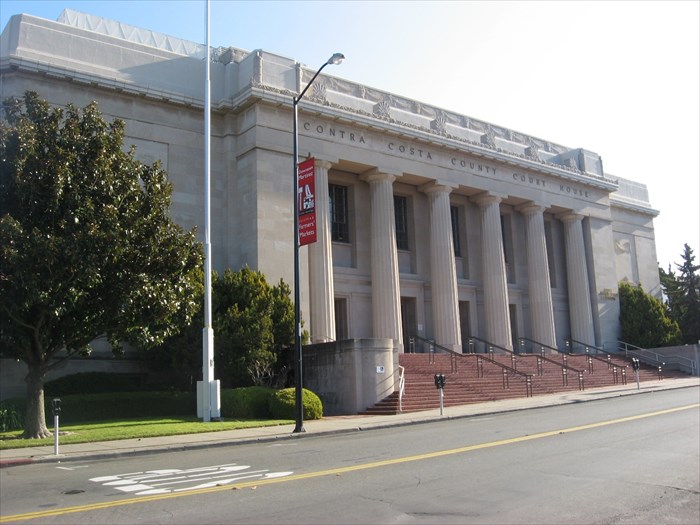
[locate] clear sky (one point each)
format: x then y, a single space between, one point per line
621 79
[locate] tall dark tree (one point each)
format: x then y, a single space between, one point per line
671 289
644 319
87 246
687 302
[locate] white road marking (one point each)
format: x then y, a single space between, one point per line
164 481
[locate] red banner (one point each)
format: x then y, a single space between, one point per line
306 202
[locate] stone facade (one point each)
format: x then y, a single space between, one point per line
443 226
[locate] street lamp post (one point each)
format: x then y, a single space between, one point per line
337 58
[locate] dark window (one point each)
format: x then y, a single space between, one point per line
550 253
503 239
454 212
341 319
338 210
401 215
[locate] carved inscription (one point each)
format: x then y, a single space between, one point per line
464 164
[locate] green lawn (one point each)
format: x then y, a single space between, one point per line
132 428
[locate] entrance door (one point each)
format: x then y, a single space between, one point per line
513 310
409 326
464 324
341 319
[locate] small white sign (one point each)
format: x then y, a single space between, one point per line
380 369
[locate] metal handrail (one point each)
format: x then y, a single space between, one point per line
541 345
570 343
402 386
656 359
432 346
455 355
564 367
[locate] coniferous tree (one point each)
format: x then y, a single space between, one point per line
687 302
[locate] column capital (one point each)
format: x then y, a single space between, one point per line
530 208
436 186
486 198
323 163
570 216
377 174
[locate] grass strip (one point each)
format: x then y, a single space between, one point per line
130 429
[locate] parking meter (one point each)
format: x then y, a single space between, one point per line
635 367
440 385
56 407
440 381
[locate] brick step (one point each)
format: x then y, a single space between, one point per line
468 384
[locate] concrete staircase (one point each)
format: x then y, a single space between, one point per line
473 378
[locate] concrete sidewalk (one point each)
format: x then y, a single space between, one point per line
327 425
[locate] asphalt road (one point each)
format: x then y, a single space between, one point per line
634 459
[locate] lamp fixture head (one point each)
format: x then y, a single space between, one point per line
336 59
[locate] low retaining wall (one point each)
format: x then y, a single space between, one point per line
13 372
350 376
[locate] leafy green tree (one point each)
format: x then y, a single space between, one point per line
253 324
87 246
683 294
644 319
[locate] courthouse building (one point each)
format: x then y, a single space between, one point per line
434 224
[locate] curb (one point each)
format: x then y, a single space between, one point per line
425 419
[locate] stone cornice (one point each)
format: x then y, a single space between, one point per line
434 134
617 202
429 136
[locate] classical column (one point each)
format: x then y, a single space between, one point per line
493 269
580 313
443 273
386 296
321 263
540 290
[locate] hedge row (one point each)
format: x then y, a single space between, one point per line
237 403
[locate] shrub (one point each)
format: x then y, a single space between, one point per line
123 405
11 415
246 403
282 404
90 383
644 320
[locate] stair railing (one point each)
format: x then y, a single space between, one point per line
522 340
590 356
454 356
655 359
540 365
434 348
513 369
402 386
570 342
